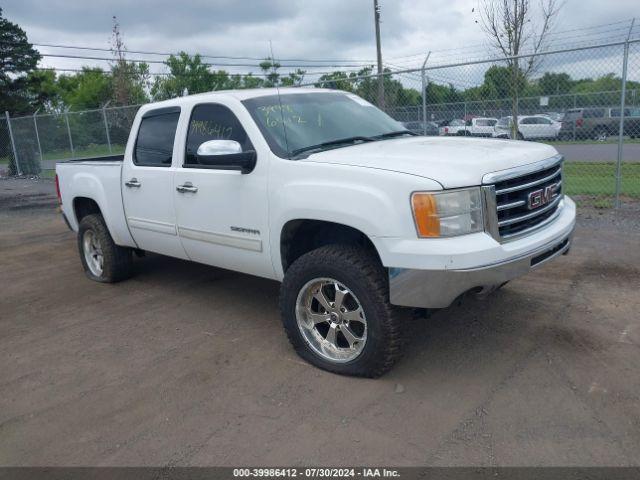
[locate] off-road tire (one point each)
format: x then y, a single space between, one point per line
361 272
117 262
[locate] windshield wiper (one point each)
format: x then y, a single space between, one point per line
396 133
332 143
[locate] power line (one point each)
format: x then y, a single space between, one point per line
97 70
225 57
163 62
475 48
547 45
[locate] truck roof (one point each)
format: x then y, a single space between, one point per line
242 94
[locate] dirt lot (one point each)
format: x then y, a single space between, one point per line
188 365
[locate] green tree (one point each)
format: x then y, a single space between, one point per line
250 81
186 73
293 78
91 88
270 69
273 78
555 83
17 59
42 90
336 81
436 94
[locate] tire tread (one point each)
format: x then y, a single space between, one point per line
118 262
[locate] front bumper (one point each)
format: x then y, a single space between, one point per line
439 287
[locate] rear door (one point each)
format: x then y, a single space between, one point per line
147 184
222 217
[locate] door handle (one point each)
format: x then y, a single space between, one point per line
133 183
187 187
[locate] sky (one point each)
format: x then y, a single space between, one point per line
340 31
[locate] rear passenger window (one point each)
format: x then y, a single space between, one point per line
213 122
154 145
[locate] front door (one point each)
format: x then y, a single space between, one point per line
147 184
222 215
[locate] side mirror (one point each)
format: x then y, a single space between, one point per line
225 155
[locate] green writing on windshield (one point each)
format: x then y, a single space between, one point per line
275 115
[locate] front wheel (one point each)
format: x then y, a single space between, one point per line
335 309
102 260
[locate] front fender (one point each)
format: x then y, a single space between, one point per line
375 202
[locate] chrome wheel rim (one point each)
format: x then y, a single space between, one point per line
331 320
92 253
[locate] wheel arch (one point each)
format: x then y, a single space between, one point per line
83 206
300 236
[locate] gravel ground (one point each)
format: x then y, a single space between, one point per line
21 193
188 365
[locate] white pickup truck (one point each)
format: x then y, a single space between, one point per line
356 216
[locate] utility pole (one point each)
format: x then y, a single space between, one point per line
376 13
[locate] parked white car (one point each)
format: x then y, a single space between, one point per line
481 127
358 217
530 127
453 127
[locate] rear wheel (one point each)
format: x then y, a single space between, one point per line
335 309
102 260
519 136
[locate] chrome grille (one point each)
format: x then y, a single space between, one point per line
513 214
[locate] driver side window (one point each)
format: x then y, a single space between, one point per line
212 121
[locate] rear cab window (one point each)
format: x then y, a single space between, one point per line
156 135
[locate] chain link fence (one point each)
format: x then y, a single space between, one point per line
7 158
583 101
32 145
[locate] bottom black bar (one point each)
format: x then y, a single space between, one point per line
428 473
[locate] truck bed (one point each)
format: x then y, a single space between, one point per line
103 158
98 179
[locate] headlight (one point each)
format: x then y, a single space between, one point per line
447 213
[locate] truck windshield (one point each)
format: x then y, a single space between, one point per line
298 124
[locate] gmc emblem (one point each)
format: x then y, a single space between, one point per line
543 196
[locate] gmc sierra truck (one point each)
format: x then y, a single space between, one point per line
359 218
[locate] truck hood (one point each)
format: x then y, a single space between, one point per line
452 162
